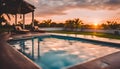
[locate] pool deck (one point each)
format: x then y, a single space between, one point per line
28 35
111 61
11 58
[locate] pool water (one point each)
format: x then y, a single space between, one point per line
58 52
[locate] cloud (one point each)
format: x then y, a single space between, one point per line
57 7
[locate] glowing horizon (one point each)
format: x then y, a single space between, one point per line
90 11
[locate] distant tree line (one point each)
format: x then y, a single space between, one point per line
71 24
74 24
111 25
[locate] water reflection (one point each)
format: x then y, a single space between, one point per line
33 48
27 47
53 53
39 39
22 45
57 60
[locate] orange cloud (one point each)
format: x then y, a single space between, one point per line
52 7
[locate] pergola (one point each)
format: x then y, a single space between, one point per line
15 7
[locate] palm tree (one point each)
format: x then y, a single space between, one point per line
47 22
113 25
73 24
61 25
69 24
36 22
78 23
2 13
3 20
3 17
53 24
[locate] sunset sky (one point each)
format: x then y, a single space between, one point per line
90 11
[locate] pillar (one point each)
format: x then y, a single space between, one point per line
23 21
15 19
33 19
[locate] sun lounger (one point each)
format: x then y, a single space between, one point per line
37 29
18 29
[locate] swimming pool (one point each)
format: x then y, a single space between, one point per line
61 52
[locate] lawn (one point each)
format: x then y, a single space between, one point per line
105 35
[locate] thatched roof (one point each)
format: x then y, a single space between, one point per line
15 7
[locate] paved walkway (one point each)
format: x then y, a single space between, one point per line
12 59
28 35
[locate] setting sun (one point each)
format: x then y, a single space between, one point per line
95 24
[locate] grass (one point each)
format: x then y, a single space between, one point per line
105 35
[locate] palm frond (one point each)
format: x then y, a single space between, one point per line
8 16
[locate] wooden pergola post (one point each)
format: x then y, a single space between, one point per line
23 21
15 19
33 19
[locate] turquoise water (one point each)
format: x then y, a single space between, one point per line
61 52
